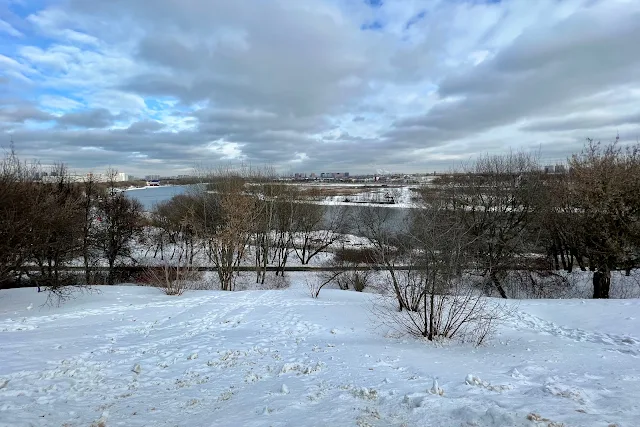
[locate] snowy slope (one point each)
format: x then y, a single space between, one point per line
130 356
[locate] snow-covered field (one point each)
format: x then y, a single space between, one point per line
402 196
130 356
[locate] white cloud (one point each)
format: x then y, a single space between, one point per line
227 150
55 23
285 81
7 28
58 104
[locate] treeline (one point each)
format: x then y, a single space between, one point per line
516 217
46 227
504 227
235 211
500 215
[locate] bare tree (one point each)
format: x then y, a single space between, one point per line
605 187
120 223
56 230
496 200
285 220
390 247
17 189
556 223
321 280
89 205
439 304
174 227
229 213
40 226
316 227
267 196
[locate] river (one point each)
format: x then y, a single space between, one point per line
150 196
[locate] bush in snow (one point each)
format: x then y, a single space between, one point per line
354 275
319 281
460 313
357 280
173 278
277 282
432 299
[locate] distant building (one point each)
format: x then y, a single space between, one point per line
97 177
123 177
152 178
557 169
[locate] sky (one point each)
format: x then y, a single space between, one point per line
364 86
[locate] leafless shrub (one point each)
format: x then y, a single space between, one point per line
357 280
276 283
435 302
173 278
462 314
541 284
354 266
319 281
58 295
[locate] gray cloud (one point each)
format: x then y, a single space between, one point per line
272 56
95 118
18 114
539 74
299 86
144 126
585 122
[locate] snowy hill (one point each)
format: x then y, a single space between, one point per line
131 356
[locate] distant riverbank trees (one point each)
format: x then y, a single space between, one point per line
502 218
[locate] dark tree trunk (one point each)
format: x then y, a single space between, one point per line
581 262
110 275
498 285
563 257
601 283
570 263
555 257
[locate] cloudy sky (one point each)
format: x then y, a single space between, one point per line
316 85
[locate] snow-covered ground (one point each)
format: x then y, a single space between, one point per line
401 195
130 356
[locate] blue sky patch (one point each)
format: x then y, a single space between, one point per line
372 26
374 3
415 19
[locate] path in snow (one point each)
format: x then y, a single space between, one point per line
620 343
132 357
